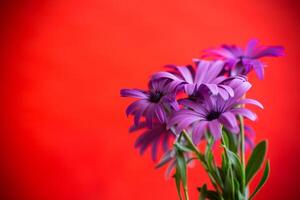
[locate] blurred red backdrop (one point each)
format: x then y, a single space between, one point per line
63 128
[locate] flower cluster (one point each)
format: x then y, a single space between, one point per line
205 101
213 89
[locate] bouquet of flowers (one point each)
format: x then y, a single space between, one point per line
205 103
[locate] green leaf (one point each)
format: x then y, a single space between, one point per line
203 192
232 140
181 165
225 139
256 160
177 181
263 180
229 185
211 195
235 162
211 166
224 166
182 147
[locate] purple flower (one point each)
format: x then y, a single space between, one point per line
152 104
213 112
205 76
152 138
241 61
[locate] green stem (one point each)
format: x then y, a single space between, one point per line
242 154
201 159
186 192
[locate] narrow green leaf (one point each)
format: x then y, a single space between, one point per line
263 179
256 160
238 193
182 147
229 185
224 166
225 139
181 164
212 168
235 162
177 181
203 192
232 140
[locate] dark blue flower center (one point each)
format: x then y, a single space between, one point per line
155 97
213 115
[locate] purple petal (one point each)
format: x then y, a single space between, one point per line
213 88
228 119
189 88
160 75
244 112
154 149
236 51
141 125
137 105
272 51
186 74
218 79
215 129
228 89
165 142
195 106
186 122
250 101
221 52
199 131
258 67
251 47
149 114
135 93
214 70
160 113
223 93
201 71
241 90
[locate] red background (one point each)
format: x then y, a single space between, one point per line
63 128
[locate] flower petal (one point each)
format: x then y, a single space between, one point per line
215 129
245 113
228 119
199 131
250 101
135 93
213 88
201 71
272 51
186 74
160 113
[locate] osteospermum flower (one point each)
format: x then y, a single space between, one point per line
206 75
152 104
213 112
153 138
241 61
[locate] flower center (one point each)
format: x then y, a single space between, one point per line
212 115
155 97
